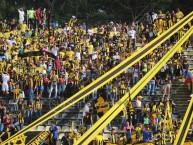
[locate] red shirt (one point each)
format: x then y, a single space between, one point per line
61 81
46 80
57 63
7 121
38 15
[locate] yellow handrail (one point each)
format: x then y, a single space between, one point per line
117 70
114 111
182 133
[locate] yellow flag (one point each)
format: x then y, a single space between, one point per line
72 127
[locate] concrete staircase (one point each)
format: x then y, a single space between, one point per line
180 97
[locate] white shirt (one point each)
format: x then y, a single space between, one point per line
115 57
86 109
94 55
21 15
43 65
5 78
138 103
54 51
65 30
136 73
154 16
130 70
114 29
90 32
132 33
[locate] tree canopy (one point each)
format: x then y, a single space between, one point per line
94 10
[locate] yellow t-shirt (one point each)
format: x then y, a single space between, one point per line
70 54
23 27
65 63
134 138
62 54
90 49
95 30
99 140
16 93
179 15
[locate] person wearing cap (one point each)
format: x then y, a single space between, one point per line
139 109
72 21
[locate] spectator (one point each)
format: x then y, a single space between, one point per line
54 133
21 15
38 106
139 109
54 80
20 121
167 87
146 135
86 109
151 86
65 139
99 139
5 79
113 137
29 111
31 17
88 120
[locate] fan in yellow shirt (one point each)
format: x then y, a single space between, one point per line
99 139
23 27
62 53
90 49
179 15
70 54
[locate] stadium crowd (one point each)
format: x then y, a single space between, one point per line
42 59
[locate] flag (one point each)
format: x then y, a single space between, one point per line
72 126
189 78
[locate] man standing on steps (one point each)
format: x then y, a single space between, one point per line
54 83
54 133
5 86
139 109
21 15
31 18
31 92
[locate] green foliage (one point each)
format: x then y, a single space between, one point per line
97 11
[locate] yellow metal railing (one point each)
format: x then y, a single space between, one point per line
114 111
182 133
107 76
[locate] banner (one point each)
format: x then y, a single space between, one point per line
101 106
37 53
